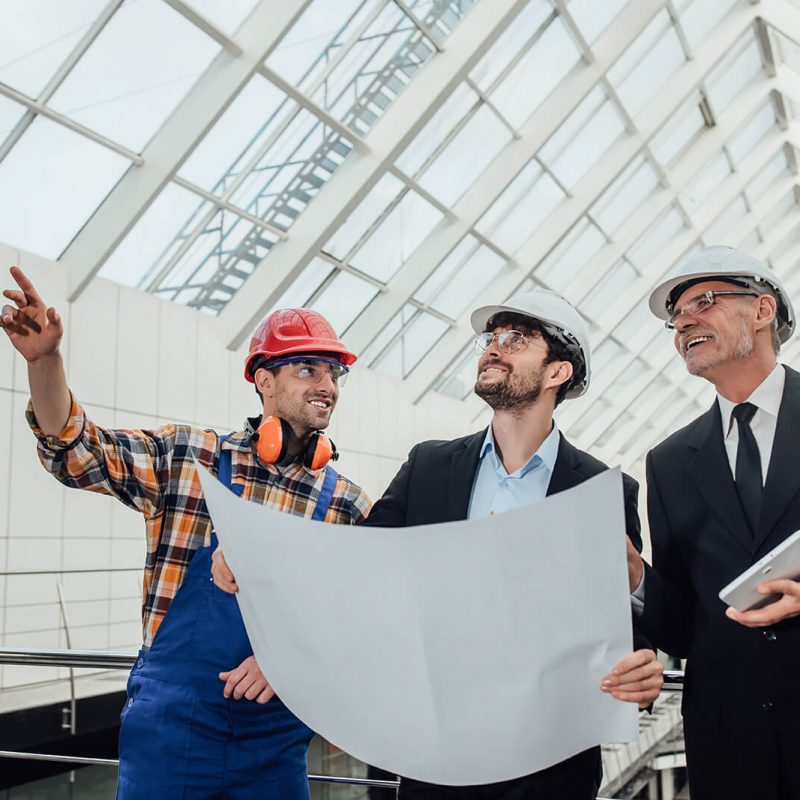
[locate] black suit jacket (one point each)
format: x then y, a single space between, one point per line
702 541
435 484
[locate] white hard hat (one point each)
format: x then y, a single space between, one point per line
724 263
558 318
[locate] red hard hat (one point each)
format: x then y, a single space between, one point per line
295 330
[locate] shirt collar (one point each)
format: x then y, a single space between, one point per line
545 455
766 397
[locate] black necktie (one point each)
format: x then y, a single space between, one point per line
748 465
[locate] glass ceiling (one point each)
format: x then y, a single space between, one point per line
473 148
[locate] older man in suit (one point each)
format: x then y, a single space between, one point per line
722 492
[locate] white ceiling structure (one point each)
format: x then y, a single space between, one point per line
393 163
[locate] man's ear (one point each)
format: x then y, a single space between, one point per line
560 372
265 381
766 310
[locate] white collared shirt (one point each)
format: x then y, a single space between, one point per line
767 398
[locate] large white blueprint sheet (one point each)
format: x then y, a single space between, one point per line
460 653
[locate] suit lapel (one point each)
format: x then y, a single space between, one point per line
565 473
709 468
783 476
463 466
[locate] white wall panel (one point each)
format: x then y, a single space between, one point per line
177 362
137 352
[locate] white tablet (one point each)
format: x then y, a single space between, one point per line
782 562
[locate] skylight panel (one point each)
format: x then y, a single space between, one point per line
785 206
418 338
717 232
682 128
446 269
658 235
701 187
752 133
135 73
521 208
616 280
305 284
592 18
397 236
466 156
788 244
625 421
571 254
227 16
10 114
733 73
647 64
699 18
37 36
605 353
385 192
766 176
516 37
446 119
596 128
788 51
345 297
631 328
51 182
631 188
549 59
459 378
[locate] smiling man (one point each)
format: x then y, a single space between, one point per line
534 353
201 721
721 493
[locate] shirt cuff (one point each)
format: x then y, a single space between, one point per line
637 598
68 436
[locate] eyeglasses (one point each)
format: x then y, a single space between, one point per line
507 341
697 305
313 370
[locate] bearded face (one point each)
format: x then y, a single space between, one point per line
506 384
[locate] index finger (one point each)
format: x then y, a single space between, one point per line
25 284
637 658
779 586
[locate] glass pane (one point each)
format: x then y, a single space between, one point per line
788 51
227 16
135 73
767 175
571 254
582 140
619 277
10 114
663 231
452 112
458 379
295 166
467 282
634 185
521 209
698 18
397 237
343 300
752 133
592 18
701 187
383 339
440 17
466 156
716 232
305 285
410 348
678 132
788 205
51 182
436 280
734 73
647 64
631 328
536 74
37 36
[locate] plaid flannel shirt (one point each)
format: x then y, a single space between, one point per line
152 471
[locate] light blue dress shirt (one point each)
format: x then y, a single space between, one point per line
495 491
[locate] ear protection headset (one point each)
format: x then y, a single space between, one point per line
272 442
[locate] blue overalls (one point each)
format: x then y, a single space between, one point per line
180 737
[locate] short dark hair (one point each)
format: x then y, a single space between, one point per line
557 350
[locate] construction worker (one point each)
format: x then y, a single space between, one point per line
201 720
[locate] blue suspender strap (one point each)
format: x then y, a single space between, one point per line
325 494
224 473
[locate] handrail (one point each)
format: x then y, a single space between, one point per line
100 659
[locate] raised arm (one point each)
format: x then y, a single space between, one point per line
35 331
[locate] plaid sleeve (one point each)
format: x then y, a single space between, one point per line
131 465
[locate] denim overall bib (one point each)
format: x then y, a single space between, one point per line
180 737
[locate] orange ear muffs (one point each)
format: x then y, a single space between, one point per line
319 451
273 434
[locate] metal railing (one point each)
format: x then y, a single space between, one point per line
99 659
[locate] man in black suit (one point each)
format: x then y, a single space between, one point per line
722 492
535 353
